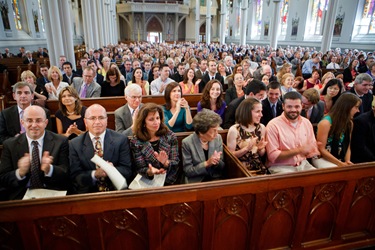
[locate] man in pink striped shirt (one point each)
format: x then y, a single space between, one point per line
291 138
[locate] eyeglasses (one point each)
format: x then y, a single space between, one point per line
93 118
31 121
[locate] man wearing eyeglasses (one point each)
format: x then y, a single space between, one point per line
10 118
113 147
125 115
361 88
37 158
86 86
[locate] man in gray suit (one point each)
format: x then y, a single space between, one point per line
125 115
86 86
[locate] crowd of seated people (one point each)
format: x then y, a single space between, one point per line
272 114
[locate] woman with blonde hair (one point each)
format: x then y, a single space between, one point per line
285 68
56 84
104 69
40 91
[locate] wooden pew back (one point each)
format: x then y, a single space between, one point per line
328 208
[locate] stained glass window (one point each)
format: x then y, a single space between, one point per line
367 20
16 14
284 11
317 16
258 16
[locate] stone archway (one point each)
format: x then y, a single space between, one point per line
154 30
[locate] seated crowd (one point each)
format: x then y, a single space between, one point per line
277 122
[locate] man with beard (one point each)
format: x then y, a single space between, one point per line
290 138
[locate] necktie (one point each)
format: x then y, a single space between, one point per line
35 179
22 127
273 107
102 184
83 92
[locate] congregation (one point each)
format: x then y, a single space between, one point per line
281 112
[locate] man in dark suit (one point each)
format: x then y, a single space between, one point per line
29 58
99 78
210 75
22 53
10 125
125 115
363 137
272 105
44 78
7 54
19 171
255 89
179 75
83 64
86 86
362 84
114 148
69 75
202 69
312 106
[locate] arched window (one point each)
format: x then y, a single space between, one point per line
16 14
258 17
318 11
366 22
284 11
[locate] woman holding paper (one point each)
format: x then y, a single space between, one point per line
154 146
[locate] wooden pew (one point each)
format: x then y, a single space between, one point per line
320 209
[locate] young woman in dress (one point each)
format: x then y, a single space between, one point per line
190 84
176 109
138 79
245 139
212 98
69 117
335 130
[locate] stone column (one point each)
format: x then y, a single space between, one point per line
197 20
223 18
275 24
208 21
244 9
329 26
59 30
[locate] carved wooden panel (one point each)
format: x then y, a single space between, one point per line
279 218
233 221
124 229
66 232
361 214
181 226
10 236
323 211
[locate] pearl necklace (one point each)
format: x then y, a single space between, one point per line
70 113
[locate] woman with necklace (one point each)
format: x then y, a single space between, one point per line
330 93
246 138
69 117
176 109
212 98
56 84
202 151
154 146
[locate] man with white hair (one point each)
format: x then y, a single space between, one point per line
228 61
29 58
125 115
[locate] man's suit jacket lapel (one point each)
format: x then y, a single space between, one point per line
14 120
87 151
109 148
89 89
127 116
48 142
22 147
